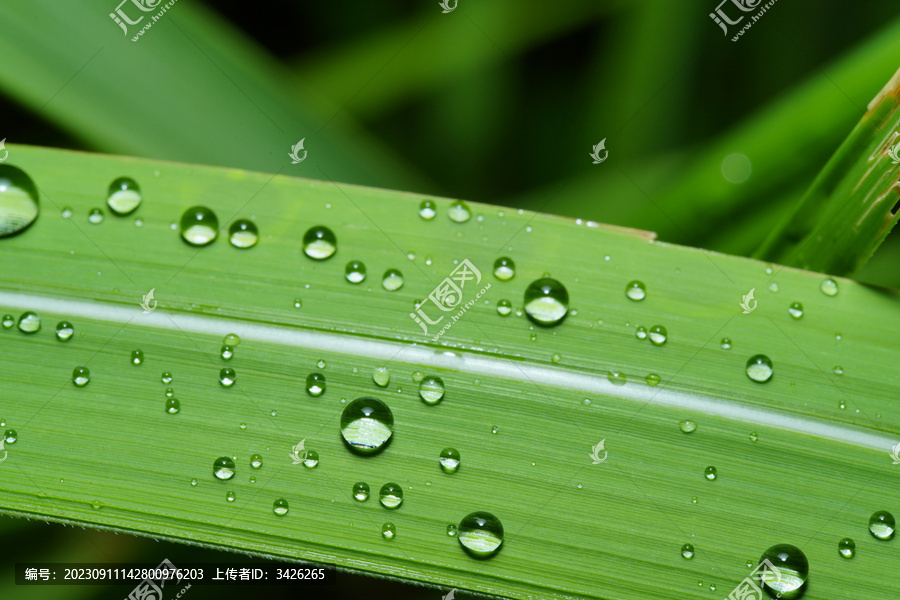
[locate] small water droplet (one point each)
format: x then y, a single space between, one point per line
252 479
480 534
199 226
726 343
256 461
64 331
232 339
754 436
687 426
773 287
796 310
431 390
388 531
360 491
124 196
223 468
452 530
586 401
760 368
280 507
449 460
138 222
227 377
381 376
230 496
882 525
391 495
319 242
418 376
312 459
166 377
227 352
242 426
687 551
173 406
137 357
427 210
838 370
653 379
504 268
367 425
495 430
243 233
555 359
616 377
355 272
10 436
658 335
315 384
392 280
794 568
274 413
169 392
504 307
81 376
710 473
640 332
8 321
842 405
459 212
193 483
546 301
694 500
847 548
95 216
29 322
636 290
66 212
320 363
829 287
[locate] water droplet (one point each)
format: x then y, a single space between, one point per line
124 196
495 430
653 379
391 495
640 332
173 406
10 436
8 321
882 525
274 413
381 376
355 271
367 425
694 500
320 363
710 473
360 491
418 376
838 370
773 287
137 357
794 568
280 507
842 406
586 401
504 307
452 530
687 551
199 226
312 459
230 496
726 343
431 390
227 377
796 310
392 280
388 531
636 290
504 268
231 339
169 392
481 534
319 242
29 322
847 548
223 468
760 368
658 335
555 359
81 376
315 384
546 301
66 212
687 426
64 331
243 233
449 459
138 222
252 479
18 200
193 483
166 377
754 436
459 212
616 377
227 352
829 287
427 210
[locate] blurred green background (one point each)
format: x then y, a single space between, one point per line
499 101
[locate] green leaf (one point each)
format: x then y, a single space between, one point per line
107 455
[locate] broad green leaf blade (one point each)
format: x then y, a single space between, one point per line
853 203
814 476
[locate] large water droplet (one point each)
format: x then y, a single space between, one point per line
388 531
687 426
223 468
95 216
391 495
546 301
199 226
658 335
504 307
794 568
481 534
687 551
381 376
882 525
64 331
847 548
760 368
124 196
243 233
710 473
459 212
227 377
427 210
280 507
367 425
829 287
315 384
392 280
137 357
636 290
18 200
504 268
431 390
360 491
355 271
29 322
449 459
81 376
173 406
796 310
319 242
